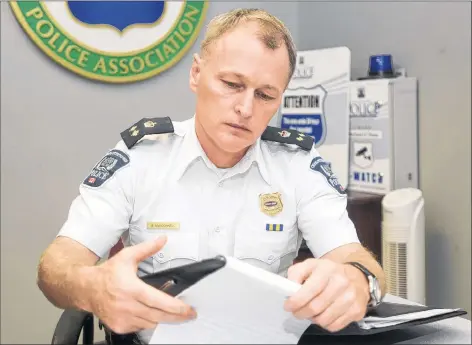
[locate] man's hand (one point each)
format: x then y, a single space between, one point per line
124 302
331 295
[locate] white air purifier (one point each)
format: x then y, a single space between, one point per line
403 244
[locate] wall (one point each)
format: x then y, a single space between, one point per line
433 41
51 137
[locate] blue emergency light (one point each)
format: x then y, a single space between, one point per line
381 66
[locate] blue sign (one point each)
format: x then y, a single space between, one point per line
308 124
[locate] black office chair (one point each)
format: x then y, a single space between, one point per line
74 322
71 324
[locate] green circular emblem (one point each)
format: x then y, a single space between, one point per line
113 41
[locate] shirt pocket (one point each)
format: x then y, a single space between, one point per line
180 249
268 249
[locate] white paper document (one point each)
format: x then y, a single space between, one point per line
238 304
370 322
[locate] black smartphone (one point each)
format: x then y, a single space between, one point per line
175 280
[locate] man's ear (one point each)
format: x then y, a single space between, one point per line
195 71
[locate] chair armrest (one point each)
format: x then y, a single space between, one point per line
70 325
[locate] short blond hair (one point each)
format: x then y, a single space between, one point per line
273 32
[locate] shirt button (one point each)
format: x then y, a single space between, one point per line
271 257
217 229
160 255
220 184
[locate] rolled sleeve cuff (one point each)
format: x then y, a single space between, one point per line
337 238
90 237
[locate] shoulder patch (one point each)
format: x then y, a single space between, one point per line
288 136
106 168
146 126
320 165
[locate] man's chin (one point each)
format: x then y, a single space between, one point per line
233 144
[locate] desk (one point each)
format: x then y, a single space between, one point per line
450 331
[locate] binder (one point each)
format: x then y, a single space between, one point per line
387 310
175 280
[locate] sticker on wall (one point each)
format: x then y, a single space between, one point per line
310 118
363 156
316 103
113 41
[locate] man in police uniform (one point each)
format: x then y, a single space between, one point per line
222 182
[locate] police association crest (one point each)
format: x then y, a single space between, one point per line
113 41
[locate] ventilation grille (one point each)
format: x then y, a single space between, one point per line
395 267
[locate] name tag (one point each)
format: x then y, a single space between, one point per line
163 225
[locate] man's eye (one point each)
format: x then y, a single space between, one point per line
231 85
265 96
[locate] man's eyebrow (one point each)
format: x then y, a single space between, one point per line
268 86
228 73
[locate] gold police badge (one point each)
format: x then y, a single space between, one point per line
271 204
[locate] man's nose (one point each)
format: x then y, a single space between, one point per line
245 104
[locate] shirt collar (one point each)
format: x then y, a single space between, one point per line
191 150
255 156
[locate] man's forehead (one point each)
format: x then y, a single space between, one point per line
247 30
242 31
231 52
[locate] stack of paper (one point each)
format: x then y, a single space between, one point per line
238 304
370 322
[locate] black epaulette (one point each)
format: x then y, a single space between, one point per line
288 136
146 126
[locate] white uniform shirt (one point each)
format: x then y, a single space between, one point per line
165 184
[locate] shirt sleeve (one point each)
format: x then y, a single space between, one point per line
100 214
322 206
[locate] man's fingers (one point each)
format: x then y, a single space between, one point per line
320 303
144 250
157 299
134 324
301 271
129 324
312 287
342 306
335 288
339 324
140 323
155 316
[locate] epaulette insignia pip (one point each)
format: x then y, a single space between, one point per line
288 136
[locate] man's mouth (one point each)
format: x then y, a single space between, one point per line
238 126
